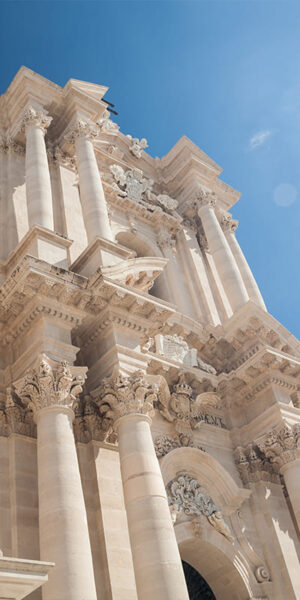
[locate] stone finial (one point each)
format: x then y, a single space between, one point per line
192 500
82 129
35 118
50 386
120 396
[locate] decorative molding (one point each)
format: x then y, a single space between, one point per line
137 146
35 118
50 386
166 443
187 497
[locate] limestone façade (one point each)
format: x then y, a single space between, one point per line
149 403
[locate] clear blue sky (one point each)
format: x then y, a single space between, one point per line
225 73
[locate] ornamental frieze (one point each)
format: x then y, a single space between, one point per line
166 443
187 498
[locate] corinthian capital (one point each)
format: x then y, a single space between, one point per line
82 129
35 118
49 385
228 223
281 446
205 198
120 396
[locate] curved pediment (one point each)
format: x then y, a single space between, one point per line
139 273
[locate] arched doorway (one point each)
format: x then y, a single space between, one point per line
198 588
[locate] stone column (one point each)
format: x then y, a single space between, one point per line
229 226
64 539
94 207
282 448
128 402
167 244
222 254
38 185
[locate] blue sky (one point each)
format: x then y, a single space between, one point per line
225 73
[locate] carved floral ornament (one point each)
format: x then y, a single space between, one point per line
106 124
137 146
118 396
136 187
49 385
264 458
35 118
187 498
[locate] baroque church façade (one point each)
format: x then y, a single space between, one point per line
149 403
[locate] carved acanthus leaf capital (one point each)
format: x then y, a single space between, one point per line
205 198
82 129
35 118
120 396
49 385
281 446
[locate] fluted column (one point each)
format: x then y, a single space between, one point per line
38 185
222 254
94 207
64 539
157 564
229 226
282 448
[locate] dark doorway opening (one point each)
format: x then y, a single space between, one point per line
198 588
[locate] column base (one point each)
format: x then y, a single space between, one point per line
20 577
100 252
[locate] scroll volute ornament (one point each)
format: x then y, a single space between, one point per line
35 118
50 384
118 396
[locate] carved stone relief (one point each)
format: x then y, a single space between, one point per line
188 498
